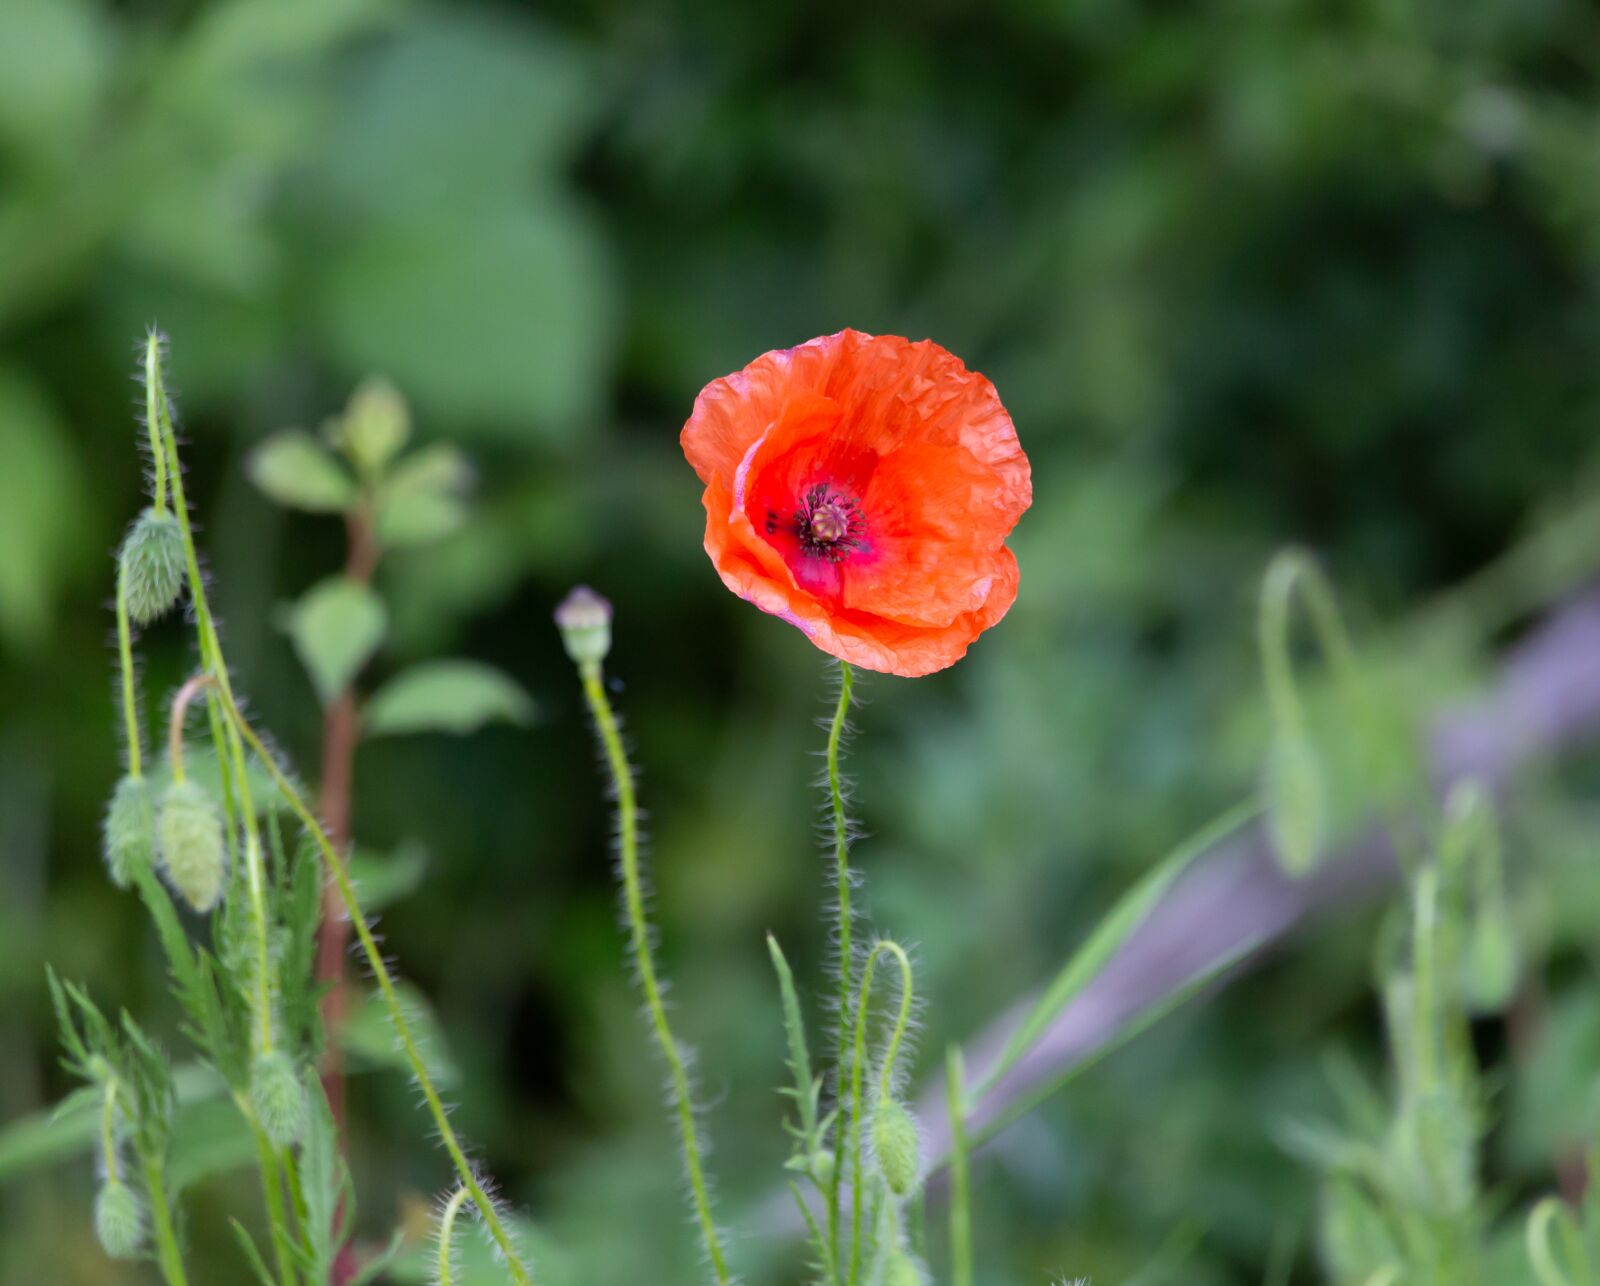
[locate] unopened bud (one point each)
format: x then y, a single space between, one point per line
152 565
1490 964
130 830
896 1146
277 1098
118 1220
1296 809
820 1166
375 426
903 1270
190 838
584 619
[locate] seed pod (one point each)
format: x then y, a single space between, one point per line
190 838
118 1220
130 830
152 565
584 619
896 1146
278 1098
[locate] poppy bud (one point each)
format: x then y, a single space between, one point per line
277 1098
902 1270
118 1220
152 565
1491 959
130 840
820 1166
584 619
191 850
1295 799
895 1144
1355 1239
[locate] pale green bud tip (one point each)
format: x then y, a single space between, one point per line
118 1220
895 1144
1491 961
584 619
821 1165
130 831
152 565
902 1270
278 1098
190 839
375 426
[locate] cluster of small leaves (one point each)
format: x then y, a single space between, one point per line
391 499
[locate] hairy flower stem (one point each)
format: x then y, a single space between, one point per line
639 929
955 1089
272 1193
386 987
447 1229
167 1253
858 1060
130 709
841 872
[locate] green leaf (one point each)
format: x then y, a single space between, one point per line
1108 936
294 469
336 627
424 499
381 881
446 696
324 1183
368 1036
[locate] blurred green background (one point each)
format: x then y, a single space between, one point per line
1246 273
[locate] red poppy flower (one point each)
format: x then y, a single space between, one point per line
862 487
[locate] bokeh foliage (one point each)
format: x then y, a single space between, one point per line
1245 273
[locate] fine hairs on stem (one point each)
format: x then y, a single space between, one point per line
843 930
239 735
644 959
858 1058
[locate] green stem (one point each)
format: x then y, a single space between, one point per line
858 1059
386 988
154 398
258 897
841 876
130 711
272 1193
1424 1019
447 1228
167 1253
960 1198
639 930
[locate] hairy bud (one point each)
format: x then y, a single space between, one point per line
190 838
152 565
584 619
820 1165
118 1220
902 1270
130 830
896 1146
1490 965
277 1098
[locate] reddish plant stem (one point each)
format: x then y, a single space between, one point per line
341 733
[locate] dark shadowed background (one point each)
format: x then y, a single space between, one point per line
1245 274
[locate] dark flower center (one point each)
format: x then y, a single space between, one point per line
828 523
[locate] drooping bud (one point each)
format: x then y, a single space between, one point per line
130 830
584 619
896 1146
152 565
118 1220
189 835
1296 809
374 426
1490 965
277 1098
